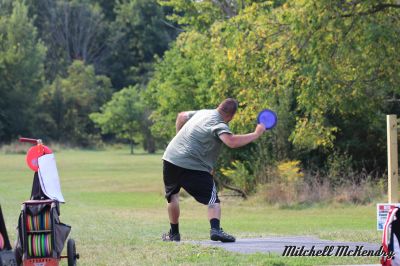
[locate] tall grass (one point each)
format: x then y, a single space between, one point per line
315 192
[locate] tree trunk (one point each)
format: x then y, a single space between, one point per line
132 144
149 143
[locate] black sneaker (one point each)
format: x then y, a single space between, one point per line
220 235
171 237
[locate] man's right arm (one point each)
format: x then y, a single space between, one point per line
237 141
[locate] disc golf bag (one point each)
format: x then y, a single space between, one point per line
33 215
37 192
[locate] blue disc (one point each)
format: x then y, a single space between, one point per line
268 118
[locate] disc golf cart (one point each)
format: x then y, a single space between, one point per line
41 235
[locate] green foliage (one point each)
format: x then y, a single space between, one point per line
123 115
201 15
181 82
65 105
290 172
329 69
332 63
72 30
339 168
138 34
21 69
107 6
117 38
240 176
287 184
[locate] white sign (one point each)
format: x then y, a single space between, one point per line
382 210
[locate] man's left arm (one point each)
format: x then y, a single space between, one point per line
182 118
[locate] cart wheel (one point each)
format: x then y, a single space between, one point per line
71 252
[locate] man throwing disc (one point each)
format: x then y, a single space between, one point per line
189 160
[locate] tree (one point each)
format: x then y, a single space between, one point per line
65 105
122 115
139 34
329 68
21 69
345 65
72 30
181 82
201 15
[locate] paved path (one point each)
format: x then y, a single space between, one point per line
277 245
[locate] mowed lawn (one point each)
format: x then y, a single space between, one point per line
116 208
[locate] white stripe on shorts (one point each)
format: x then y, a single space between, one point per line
213 195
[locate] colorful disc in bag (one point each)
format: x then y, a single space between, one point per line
47 221
34 245
46 244
30 245
38 246
41 218
48 238
40 254
28 224
37 222
43 236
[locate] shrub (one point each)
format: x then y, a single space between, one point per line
339 168
285 186
240 176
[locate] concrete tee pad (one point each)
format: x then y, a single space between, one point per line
301 244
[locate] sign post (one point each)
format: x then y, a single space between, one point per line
392 158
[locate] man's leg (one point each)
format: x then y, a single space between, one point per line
171 175
214 215
173 209
214 211
200 184
173 213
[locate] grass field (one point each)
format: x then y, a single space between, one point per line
116 208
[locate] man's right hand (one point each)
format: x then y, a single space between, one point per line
260 129
236 141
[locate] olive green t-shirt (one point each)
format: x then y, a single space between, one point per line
197 144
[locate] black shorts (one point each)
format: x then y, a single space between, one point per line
199 184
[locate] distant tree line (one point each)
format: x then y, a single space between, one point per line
62 60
